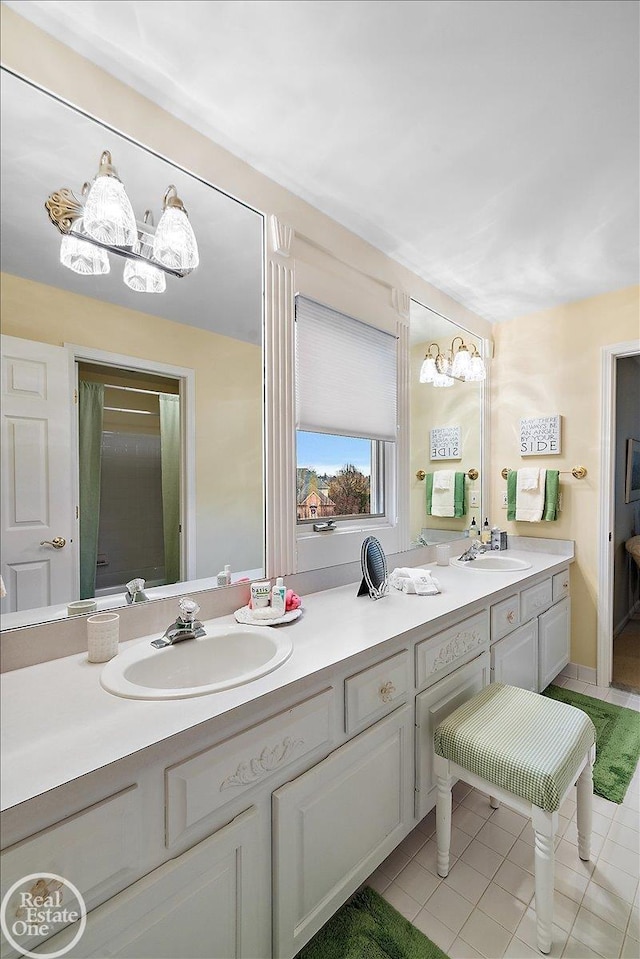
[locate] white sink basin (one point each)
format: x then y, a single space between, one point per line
494 564
227 656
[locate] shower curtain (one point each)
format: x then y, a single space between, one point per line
170 465
90 411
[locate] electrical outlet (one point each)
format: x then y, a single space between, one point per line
504 500
474 498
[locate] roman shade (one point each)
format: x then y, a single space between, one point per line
346 375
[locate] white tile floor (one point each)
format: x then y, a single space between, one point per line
484 906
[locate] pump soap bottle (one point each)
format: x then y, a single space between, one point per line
485 535
474 532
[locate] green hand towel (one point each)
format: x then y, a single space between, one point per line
459 490
551 495
429 492
512 482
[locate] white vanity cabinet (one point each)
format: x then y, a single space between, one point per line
554 641
334 824
209 902
531 634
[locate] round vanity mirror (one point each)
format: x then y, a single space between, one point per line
374 569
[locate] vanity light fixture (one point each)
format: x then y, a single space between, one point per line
103 221
108 214
457 363
174 244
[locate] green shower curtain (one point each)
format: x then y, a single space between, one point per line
90 410
170 465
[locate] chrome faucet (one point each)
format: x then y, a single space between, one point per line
135 592
476 549
186 625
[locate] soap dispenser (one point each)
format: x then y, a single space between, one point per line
485 535
474 532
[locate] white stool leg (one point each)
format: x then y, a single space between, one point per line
584 795
443 813
494 803
544 827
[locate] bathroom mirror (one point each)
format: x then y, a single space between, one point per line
374 569
446 430
199 344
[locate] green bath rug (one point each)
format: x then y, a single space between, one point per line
367 927
617 741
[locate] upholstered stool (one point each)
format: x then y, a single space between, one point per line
527 751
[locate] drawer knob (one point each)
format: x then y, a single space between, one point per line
565 585
387 692
511 616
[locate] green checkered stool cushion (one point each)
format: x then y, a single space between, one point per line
528 744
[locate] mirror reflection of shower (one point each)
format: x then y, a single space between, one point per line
129 463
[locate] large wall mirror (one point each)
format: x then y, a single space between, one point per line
446 433
178 377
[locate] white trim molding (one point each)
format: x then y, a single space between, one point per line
610 355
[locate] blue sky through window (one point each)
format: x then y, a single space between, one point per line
328 454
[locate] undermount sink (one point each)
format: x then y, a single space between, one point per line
225 656
493 564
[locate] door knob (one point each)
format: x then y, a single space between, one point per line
57 542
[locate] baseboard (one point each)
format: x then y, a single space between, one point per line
584 674
633 613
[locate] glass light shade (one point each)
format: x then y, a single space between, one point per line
461 363
477 371
143 277
174 243
441 379
108 215
428 370
83 257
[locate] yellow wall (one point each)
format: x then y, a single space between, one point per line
228 374
550 362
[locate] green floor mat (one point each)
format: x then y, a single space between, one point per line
367 927
617 741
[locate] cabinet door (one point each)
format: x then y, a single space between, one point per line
514 660
334 824
554 641
431 707
206 904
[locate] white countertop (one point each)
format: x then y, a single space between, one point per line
58 723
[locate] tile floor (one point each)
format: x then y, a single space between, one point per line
484 907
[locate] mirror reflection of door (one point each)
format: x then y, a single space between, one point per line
129 453
38 521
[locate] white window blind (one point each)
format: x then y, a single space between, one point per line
346 375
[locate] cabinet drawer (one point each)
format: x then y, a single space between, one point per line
535 600
97 850
198 786
505 617
376 691
561 584
451 648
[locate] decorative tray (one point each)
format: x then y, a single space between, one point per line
245 616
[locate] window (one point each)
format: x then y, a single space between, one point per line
338 476
346 411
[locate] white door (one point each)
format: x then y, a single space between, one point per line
554 641
37 491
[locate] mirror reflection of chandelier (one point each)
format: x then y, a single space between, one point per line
457 363
102 221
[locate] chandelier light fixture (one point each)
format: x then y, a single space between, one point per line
102 221
457 363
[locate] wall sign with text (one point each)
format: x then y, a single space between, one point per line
540 436
446 443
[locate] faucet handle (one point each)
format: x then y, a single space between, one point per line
189 609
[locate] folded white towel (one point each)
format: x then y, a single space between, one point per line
410 580
528 478
443 479
530 502
443 493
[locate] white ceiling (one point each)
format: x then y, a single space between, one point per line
489 145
